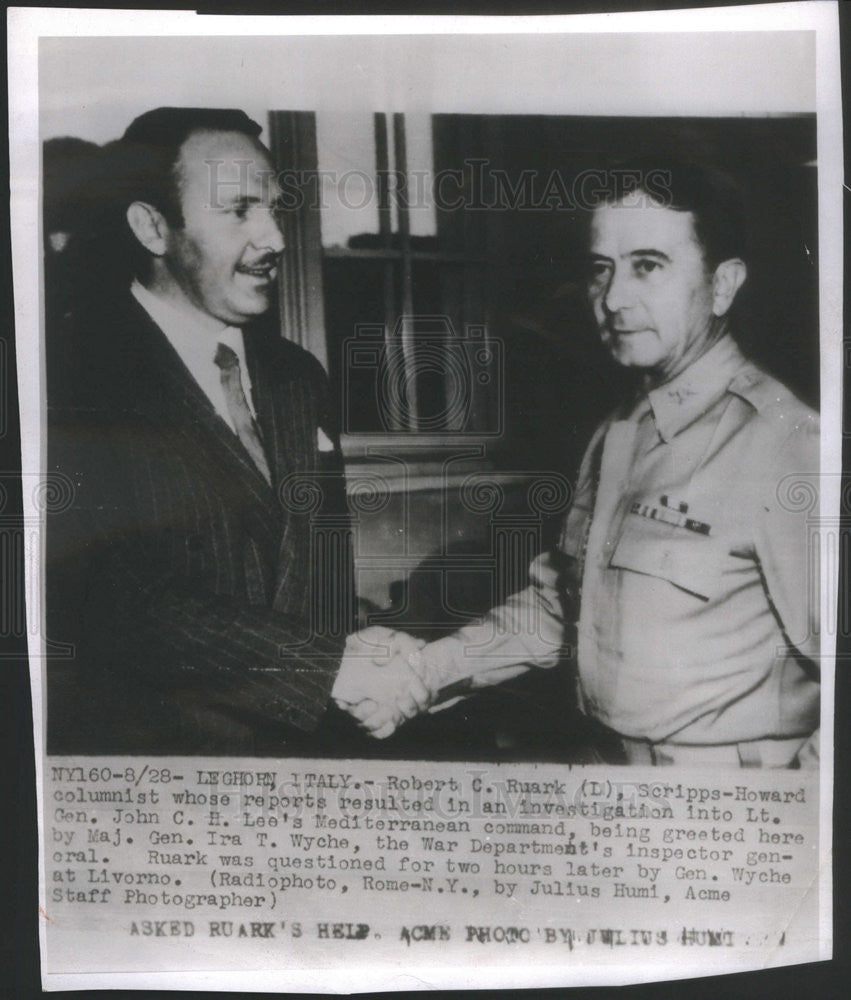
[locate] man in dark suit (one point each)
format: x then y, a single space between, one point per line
202 571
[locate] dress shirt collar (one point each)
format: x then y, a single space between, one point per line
183 321
195 337
690 394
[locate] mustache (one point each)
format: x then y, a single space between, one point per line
266 260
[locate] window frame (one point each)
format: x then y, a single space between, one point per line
301 290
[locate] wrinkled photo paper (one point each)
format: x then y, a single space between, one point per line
431 494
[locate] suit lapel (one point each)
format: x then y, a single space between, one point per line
285 410
286 407
175 399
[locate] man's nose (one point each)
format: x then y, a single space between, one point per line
267 234
620 291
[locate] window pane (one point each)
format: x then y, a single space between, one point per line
420 150
447 388
345 148
427 370
354 316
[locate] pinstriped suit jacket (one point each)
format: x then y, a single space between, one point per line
199 598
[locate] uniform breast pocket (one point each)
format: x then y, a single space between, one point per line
690 561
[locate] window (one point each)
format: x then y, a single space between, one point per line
385 289
461 302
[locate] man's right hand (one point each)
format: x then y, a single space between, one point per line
376 683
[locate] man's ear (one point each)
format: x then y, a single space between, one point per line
148 226
728 279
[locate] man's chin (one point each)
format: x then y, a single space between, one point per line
635 350
253 307
241 317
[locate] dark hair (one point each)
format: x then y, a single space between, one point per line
149 150
713 197
142 166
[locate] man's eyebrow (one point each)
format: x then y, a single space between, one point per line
648 253
278 203
241 199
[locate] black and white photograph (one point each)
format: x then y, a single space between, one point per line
439 425
500 300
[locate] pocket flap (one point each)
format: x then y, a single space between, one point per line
690 561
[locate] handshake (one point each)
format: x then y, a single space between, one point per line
384 679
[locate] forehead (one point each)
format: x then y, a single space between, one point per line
634 224
236 161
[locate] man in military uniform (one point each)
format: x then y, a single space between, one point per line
682 553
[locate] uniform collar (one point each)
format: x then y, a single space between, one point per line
690 394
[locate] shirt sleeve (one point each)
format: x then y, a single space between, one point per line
787 547
527 631
530 629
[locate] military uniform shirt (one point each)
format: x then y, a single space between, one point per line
690 547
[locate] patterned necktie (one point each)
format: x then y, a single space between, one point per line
246 427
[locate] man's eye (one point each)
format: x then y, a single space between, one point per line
239 209
597 271
646 266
